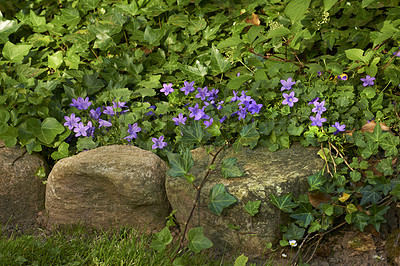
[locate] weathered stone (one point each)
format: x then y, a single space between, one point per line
266 173
108 187
22 193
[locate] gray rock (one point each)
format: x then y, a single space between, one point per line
108 187
266 173
22 193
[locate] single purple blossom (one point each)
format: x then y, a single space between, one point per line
208 123
196 112
222 119
104 123
343 76
242 113
219 107
95 113
287 84
289 99
80 103
150 112
80 130
339 127
72 121
188 87
109 110
132 130
235 97
254 108
179 120
317 120
319 73
213 95
203 93
90 129
319 107
158 143
238 74
313 100
397 53
167 88
368 81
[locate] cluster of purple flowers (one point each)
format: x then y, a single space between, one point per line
80 129
289 98
317 120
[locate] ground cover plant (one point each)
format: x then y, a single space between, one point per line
170 76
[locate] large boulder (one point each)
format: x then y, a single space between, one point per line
22 193
108 187
266 173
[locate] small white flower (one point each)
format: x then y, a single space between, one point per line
284 255
293 243
377 257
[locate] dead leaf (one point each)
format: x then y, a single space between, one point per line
369 127
361 242
253 20
318 198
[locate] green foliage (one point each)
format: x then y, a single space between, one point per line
220 199
197 240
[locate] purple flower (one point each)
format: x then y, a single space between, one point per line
167 88
242 113
319 73
95 113
317 120
80 103
203 93
397 53
132 130
158 143
179 119
313 100
343 76
289 99
235 97
90 129
213 95
196 112
319 107
109 110
339 127
254 107
208 123
219 107
150 112
104 123
188 87
287 84
368 81
80 130
72 121
120 105
222 119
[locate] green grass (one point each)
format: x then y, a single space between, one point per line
81 246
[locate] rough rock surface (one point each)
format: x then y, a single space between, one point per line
108 187
22 193
266 173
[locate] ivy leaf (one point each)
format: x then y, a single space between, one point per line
86 143
197 72
284 203
55 60
220 199
385 166
192 133
241 260
161 239
15 53
370 149
248 137
236 82
359 219
218 63
296 10
303 217
197 240
36 20
252 207
10 136
230 169
295 130
45 131
180 164
7 27
316 180
87 5
294 232
62 152
377 135
390 145
153 36
356 55
328 4
370 194
69 17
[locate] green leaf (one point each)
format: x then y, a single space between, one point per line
218 63
10 136
192 133
296 10
377 136
179 20
370 194
236 82
45 131
252 207
197 240
328 4
230 169
220 199
356 55
241 260
36 20
195 72
248 137
377 104
15 53
278 32
229 42
197 25
295 130
180 164
69 17
385 166
359 219
390 145
7 27
370 149
253 33
316 180
303 217
55 60
62 152
131 9
294 232
85 143
284 202
87 5
161 239
328 209
153 36
366 3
